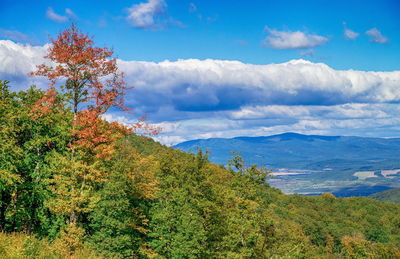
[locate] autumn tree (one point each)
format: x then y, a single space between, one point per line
89 73
90 83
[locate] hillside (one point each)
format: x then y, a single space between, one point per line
244 216
346 166
392 195
121 195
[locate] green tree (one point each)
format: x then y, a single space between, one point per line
179 218
119 218
26 144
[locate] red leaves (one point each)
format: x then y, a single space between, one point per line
45 105
90 70
91 78
95 135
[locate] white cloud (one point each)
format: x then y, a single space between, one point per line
201 85
17 60
145 15
342 111
270 112
292 39
52 15
218 98
376 36
194 85
350 35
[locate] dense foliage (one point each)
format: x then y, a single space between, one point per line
75 185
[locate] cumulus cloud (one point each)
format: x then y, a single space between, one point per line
209 85
292 39
219 98
146 15
17 60
350 35
52 15
376 36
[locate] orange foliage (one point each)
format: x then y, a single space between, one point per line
87 68
96 135
91 77
45 105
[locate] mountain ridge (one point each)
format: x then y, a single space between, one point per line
351 143
337 160
295 134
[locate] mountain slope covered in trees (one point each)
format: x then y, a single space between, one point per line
392 195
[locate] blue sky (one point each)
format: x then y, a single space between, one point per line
208 66
232 30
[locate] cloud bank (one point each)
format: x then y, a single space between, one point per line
219 98
202 85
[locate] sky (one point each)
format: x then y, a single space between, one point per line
230 68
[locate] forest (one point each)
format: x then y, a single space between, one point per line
73 185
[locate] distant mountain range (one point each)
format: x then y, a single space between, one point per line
310 152
317 160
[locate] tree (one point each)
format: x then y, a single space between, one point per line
24 146
89 72
119 222
92 80
10 152
92 84
180 216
